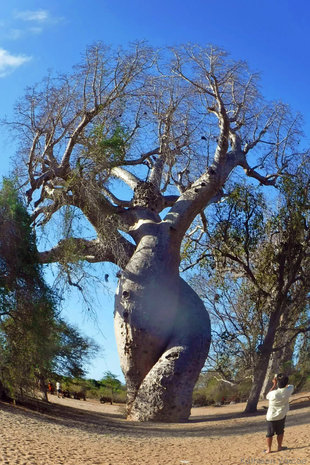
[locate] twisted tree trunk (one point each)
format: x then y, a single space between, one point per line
162 331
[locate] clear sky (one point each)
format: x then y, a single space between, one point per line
37 36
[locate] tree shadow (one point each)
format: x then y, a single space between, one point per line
224 416
104 423
299 405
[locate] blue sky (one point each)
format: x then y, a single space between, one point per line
37 36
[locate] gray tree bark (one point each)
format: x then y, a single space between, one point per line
280 361
262 361
162 331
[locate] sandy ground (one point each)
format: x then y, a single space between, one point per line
74 432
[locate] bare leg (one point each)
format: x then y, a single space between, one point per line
269 443
280 440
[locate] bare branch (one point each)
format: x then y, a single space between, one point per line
143 157
269 180
169 200
249 146
198 260
130 179
224 123
87 117
116 200
93 251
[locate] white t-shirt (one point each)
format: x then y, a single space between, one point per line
278 403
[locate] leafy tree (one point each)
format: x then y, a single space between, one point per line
112 383
35 341
172 126
27 306
302 368
72 351
261 275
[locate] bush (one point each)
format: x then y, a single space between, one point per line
210 391
93 389
306 385
199 398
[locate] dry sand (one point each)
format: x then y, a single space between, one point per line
74 432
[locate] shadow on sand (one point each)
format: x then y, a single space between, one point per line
115 424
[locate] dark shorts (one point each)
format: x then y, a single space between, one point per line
275 427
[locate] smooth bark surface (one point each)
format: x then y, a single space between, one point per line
163 334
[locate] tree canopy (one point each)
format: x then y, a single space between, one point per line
170 124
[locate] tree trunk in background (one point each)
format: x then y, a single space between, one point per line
281 360
259 376
3 393
262 362
271 370
162 332
43 388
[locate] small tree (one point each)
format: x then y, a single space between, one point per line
72 351
110 382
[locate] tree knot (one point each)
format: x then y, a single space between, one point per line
146 194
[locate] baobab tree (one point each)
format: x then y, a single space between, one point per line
171 125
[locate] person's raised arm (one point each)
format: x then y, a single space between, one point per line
274 384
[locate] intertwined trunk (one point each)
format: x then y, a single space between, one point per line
162 332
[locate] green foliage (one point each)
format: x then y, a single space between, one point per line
18 256
27 306
111 381
210 390
258 265
239 224
108 387
27 354
108 148
72 351
34 340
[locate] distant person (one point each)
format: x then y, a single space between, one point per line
58 389
50 388
278 397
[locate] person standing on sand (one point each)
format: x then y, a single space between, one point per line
278 397
58 389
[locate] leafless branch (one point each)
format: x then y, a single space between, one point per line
130 179
93 251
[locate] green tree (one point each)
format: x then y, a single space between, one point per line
259 260
27 305
72 351
36 342
112 383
